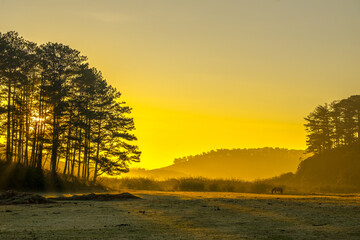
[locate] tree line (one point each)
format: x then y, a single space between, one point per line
57 111
333 125
236 154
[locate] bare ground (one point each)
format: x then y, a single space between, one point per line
183 215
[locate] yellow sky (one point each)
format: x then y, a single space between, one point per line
204 74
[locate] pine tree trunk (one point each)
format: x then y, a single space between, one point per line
55 142
8 150
97 152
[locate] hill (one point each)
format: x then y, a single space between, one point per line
245 164
335 167
159 173
335 170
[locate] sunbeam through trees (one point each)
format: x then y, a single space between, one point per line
59 113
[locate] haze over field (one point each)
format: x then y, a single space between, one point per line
203 75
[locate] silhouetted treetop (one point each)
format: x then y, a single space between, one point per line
333 125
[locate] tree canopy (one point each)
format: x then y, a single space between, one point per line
333 125
58 112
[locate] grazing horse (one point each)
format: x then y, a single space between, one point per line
277 190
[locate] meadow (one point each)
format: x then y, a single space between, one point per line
188 215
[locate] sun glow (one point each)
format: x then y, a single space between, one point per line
37 119
205 75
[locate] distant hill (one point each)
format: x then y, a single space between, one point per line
245 164
159 173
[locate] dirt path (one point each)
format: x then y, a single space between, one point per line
187 216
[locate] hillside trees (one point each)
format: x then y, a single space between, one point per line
319 129
57 112
334 125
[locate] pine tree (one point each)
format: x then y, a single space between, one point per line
55 107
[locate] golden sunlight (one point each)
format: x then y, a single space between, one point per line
230 119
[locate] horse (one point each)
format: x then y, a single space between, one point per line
277 190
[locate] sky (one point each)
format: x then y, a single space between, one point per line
206 74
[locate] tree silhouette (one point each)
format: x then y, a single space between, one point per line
334 125
58 113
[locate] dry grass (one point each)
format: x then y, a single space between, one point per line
189 184
188 215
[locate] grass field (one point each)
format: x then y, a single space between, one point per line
188 215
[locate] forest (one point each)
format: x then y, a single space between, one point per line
60 114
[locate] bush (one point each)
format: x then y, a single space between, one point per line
20 177
191 184
260 187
